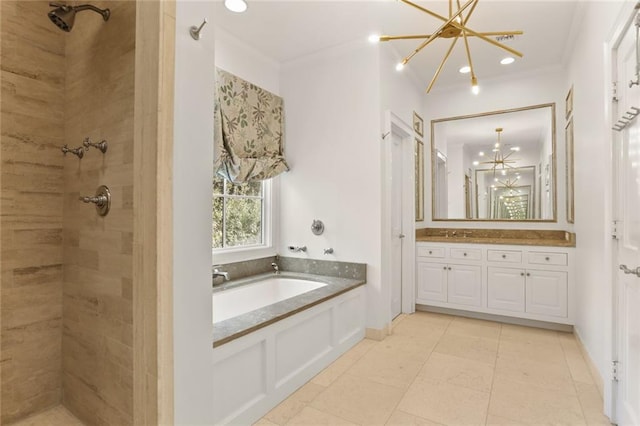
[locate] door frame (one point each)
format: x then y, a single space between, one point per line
394 124
624 19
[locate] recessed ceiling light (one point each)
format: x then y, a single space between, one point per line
476 163
465 70
237 6
508 60
515 148
481 154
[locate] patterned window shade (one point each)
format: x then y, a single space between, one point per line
248 131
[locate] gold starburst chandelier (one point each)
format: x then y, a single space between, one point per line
499 159
453 27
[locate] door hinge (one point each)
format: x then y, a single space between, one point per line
614 230
614 371
614 91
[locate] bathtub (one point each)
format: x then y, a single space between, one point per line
272 336
237 301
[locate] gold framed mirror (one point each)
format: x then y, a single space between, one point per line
495 166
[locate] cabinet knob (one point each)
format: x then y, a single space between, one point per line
522 274
547 258
430 252
528 274
465 254
504 256
445 268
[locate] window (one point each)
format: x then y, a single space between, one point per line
238 214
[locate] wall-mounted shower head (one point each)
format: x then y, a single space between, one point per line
64 15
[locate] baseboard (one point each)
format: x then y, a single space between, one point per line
595 373
377 333
498 318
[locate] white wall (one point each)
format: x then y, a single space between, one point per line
332 107
587 72
192 175
540 87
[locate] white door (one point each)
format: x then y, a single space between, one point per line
627 250
432 282
464 285
505 289
397 236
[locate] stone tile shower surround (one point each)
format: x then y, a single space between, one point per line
67 273
33 81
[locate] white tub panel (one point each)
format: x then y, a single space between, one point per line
233 392
292 356
294 349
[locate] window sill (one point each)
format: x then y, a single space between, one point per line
242 254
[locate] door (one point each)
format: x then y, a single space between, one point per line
626 252
505 289
432 282
546 293
397 236
464 284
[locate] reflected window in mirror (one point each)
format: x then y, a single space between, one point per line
495 166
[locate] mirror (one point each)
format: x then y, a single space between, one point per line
495 166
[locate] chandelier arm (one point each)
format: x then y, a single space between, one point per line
462 27
423 36
466 44
444 60
464 21
436 32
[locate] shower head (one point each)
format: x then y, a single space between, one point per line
64 15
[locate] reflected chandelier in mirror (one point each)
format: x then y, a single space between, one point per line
495 166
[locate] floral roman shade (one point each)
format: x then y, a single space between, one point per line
248 130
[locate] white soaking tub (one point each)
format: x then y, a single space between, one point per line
237 301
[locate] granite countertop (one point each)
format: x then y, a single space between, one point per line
233 328
549 238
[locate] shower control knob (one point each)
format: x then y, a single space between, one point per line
102 200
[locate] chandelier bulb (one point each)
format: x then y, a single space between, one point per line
475 89
374 38
400 66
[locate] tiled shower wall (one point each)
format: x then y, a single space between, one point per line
97 340
66 272
33 68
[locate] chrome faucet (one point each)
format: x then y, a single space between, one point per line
275 267
218 273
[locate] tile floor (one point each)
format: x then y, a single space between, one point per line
439 369
56 416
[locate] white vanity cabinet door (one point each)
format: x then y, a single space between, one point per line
505 289
431 281
547 293
465 285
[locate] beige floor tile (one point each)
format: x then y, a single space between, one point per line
441 368
521 333
264 422
358 400
291 406
474 328
493 420
313 417
342 364
57 416
592 405
390 364
551 352
474 348
525 371
400 418
534 405
420 323
445 403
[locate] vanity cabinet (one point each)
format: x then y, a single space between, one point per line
528 282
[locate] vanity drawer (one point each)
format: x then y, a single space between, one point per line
465 253
542 258
508 256
431 252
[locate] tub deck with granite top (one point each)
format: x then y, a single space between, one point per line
549 238
246 322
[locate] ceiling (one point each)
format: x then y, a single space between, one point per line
286 30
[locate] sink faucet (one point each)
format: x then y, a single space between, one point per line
218 273
275 267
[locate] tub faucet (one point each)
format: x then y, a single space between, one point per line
275 267
219 273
